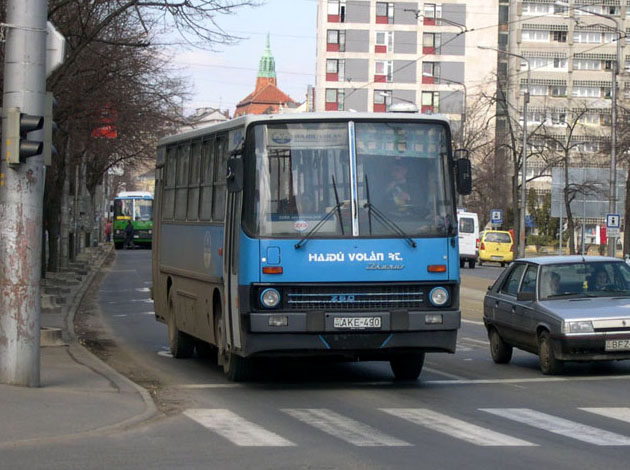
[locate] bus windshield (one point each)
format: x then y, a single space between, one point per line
396 172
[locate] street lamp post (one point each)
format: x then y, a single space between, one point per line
463 122
612 203
523 208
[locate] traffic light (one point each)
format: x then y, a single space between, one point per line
50 127
18 125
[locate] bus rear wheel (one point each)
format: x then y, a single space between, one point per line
407 366
180 344
236 368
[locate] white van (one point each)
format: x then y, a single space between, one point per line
468 234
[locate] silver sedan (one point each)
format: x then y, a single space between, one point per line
562 308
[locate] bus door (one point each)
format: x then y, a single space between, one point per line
231 237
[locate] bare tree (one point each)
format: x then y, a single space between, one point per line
117 75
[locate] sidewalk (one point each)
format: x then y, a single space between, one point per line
79 394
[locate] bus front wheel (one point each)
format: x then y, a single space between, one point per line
407 366
236 368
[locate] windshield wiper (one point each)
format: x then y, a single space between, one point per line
323 220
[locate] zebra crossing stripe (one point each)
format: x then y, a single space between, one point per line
564 427
622 414
346 429
236 429
455 427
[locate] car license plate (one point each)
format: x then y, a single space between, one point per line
357 323
496 257
617 345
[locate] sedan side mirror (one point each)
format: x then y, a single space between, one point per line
525 296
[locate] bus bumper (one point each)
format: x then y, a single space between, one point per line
400 331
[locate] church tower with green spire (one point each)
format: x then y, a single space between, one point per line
266 68
267 98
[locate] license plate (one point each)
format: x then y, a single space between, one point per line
617 345
357 323
496 257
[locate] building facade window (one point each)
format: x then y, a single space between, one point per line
430 102
559 36
382 100
587 64
586 92
431 12
384 42
537 9
336 11
430 72
431 43
334 99
384 12
335 70
530 35
335 40
587 37
383 71
558 90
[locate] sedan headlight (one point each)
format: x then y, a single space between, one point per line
438 296
572 327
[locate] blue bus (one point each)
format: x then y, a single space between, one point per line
317 234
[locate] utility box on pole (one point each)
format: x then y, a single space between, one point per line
22 192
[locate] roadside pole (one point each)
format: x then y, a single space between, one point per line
21 197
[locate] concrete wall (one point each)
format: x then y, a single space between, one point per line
357 70
356 99
357 40
405 42
405 71
357 12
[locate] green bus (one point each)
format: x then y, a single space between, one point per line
136 206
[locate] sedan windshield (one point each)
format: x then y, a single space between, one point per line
589 279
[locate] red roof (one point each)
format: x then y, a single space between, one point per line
266 99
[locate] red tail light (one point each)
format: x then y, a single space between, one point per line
483 246
477 243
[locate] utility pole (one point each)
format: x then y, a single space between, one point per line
21 194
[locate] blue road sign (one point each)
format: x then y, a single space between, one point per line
496 216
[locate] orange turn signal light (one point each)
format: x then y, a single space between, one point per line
436 268
272 270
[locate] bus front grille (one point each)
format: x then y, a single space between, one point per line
355 297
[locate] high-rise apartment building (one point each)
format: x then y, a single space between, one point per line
372 54
571 48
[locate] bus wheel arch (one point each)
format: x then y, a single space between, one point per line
180 344
236 368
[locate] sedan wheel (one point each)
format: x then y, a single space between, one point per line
500 350
549 365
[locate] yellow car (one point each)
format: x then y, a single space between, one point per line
497 246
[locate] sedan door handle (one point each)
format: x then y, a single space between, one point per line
513 309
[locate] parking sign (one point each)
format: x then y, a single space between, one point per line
496 216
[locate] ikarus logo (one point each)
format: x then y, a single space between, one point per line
281 138
342 299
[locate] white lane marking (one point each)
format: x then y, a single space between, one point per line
472 322
142 289
165 354
346 429
518 381
236 429
207 386
561 426
120 315
622 414
455 378
456 427
478 341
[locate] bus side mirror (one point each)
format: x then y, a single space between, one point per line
464 172
235 175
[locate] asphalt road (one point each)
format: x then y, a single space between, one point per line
464 412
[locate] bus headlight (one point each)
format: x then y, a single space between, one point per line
270 298
438 296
